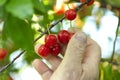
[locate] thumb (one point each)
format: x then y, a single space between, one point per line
76 48
70 66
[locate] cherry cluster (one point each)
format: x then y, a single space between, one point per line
52 43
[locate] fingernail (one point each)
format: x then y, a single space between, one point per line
36 47
81 37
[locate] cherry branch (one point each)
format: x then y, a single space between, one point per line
51 26
114 43
113 63
104 4
6 66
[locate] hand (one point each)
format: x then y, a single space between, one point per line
80 62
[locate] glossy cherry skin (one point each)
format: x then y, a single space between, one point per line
44 51
70 14
64 36
56 49
3 53
89 3
50 40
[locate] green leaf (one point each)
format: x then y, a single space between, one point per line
108 72
30 56
2 12
21 9
119 32
2 2
115 3
19 31
116 75
39 6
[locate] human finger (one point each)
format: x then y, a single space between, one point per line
93 52
75 49
53 60
71 30
42 69
91 60
72 61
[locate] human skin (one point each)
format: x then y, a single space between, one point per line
80 60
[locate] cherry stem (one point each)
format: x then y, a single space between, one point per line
62 25
9 64
116 35
70 24
68 6
48 29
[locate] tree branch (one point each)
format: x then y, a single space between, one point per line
51 26
113 63
114 43
9 64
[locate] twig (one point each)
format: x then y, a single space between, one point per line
113 63
6 66
40 30
104 4
51 26
114 43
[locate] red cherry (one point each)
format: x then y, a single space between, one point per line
71 35
70 14
3 53
55 50
44 50
82 0
50 40
89 3
64 36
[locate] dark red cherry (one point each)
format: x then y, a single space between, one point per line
44 51
50 40
70 14
56 49
64 36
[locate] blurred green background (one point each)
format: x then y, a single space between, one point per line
23 21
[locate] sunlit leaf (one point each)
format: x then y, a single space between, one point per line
108 72
2 12
21 9
2 2
38 5
116 75
19 31
30 56
115 3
